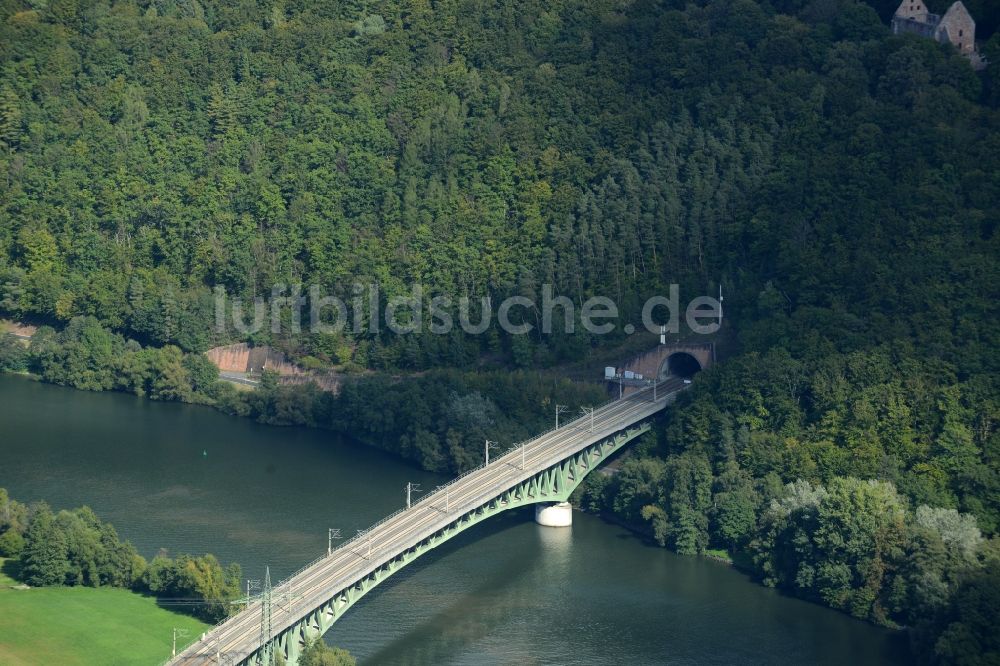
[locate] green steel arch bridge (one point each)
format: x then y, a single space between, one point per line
546 469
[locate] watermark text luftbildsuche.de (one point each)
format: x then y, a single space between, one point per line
364 312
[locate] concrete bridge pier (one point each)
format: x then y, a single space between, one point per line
559 514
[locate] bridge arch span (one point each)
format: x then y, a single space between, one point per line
552 485
546 469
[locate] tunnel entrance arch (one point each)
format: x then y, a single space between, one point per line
681 359
680 364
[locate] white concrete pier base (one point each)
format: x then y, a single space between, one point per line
554 515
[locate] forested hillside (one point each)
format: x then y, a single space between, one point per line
155 151
843 185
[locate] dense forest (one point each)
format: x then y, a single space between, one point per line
153 152
841 184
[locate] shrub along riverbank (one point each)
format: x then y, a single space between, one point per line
75 548
71 592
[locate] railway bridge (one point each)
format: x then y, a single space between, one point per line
545 469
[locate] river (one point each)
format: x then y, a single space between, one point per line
188 479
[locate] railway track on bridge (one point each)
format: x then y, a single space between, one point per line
237 639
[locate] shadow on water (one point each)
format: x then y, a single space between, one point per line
471 616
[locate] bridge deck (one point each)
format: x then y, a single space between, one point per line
351 562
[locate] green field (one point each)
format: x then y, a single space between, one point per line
81 625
